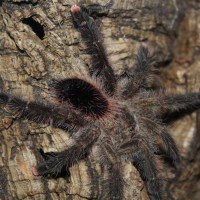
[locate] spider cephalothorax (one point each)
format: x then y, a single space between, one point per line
127 115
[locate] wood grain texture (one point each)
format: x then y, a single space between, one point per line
30 59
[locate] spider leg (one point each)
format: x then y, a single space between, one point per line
168 146
148 171
56 163
162 138
143 75
176 106
112 186
40 113
100 69
96 9
112 182
142 157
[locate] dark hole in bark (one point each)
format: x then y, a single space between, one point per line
36 27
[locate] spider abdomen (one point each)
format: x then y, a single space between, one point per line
82 96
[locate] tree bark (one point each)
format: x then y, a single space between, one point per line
38 43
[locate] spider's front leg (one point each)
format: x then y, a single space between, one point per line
100 69
96 9
57 163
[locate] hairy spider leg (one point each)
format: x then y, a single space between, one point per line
142 157
176 106
143 161
96 9
152 102
40 113
165 142
143 74
112 185
57 162
100 68
168 147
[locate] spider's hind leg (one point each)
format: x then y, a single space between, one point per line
142 157
112 181
148 172
100 68
112 185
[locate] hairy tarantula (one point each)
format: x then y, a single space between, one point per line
123 117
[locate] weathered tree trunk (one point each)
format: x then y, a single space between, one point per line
38 43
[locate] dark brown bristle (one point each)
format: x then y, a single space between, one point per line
82 96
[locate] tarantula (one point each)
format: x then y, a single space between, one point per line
122 117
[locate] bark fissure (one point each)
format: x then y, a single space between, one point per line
38 43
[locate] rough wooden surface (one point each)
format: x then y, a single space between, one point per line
29 61
183 75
